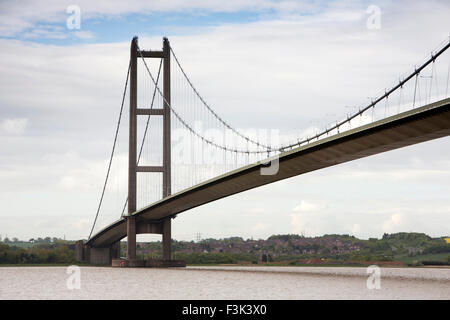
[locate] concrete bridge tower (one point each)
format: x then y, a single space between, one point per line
106 255
164 226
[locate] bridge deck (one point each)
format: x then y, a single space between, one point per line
418 125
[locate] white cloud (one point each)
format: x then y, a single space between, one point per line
307 206
81 225
306 224
13 126
306 218
259 228
356 228
86 35
46 32
394 223
396 174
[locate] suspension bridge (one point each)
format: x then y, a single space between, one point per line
179 153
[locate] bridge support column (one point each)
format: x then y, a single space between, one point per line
131 238
167 239
98 256
132 174
80 251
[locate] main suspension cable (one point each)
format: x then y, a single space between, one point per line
317 135
184 122
259 144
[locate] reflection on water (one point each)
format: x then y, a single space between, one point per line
223 283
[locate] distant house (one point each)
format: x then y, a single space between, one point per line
414 250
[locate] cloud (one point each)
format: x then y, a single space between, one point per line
13 126
394 223
306 218
306 224
259 228
48 32
307 206
356 228
86 35
396 174
16 18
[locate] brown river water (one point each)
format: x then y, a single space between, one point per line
222 283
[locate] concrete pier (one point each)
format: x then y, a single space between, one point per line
131 238
167 239
150 263
97 256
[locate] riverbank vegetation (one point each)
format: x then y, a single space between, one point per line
49 254
399 249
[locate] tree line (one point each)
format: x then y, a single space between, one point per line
38 254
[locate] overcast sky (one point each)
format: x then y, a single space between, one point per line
287 65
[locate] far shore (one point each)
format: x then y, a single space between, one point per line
233 265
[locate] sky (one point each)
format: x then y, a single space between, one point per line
286 65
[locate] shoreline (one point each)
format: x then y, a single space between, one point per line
337 266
